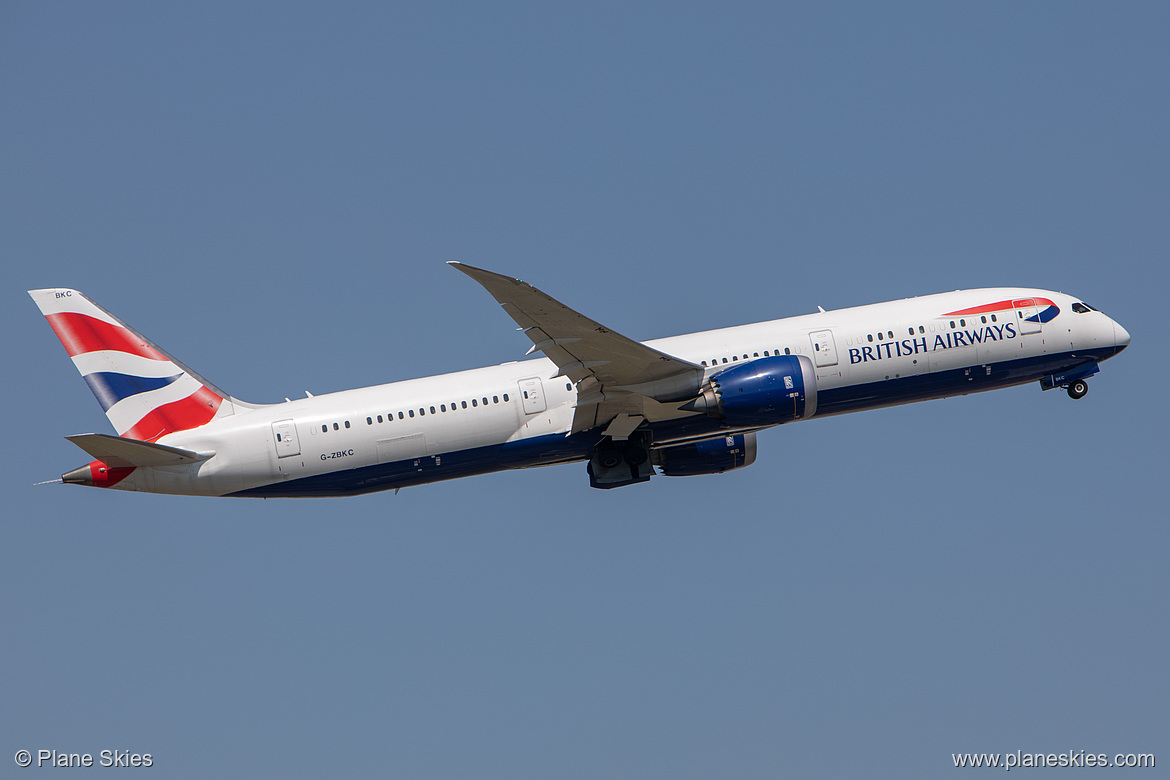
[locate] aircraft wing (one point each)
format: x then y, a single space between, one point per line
614 374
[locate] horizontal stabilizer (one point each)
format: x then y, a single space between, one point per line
117 452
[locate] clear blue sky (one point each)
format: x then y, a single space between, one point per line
270 191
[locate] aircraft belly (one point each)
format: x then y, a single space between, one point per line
956 381
524 453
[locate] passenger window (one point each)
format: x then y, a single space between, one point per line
879 337
336 427
921 329
568 387
400 415
993 319
734 358
984 319
473 403
369 421
464 403
868 336
485 402
410 412
495 399
432 410
724 360
324 429
765 353
787 351
505 398
703 363
952 323
962 323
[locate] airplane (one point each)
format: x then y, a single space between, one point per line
684 405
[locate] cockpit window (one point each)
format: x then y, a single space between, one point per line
1081 308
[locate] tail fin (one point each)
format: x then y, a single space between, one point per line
145 392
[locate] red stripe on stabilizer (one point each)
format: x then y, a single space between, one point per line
80 333
104 476
182 415
1000 306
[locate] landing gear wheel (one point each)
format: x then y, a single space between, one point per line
636 456
610 458
617 463
1078 389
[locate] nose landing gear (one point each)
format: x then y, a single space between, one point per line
1073 381
1077 389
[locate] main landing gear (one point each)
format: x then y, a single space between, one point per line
617 463
1076 390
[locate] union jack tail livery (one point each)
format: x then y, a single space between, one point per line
145 392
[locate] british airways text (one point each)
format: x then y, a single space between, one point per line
949 340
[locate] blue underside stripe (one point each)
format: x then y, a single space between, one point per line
110 388
558 448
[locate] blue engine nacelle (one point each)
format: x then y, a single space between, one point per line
710 456
766 391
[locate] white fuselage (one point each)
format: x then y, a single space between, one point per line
520 414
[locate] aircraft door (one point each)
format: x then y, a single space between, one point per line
284 436
824 347
1027 316
532 395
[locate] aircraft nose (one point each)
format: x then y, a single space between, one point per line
1120 337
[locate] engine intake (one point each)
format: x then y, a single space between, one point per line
766 391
